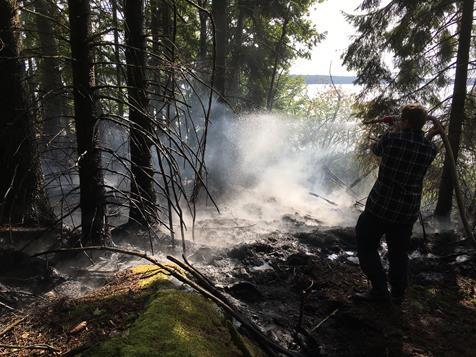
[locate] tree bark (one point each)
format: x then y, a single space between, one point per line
235 65
142 209
457 114
22 195
51 84
219 8
117 57
279 45
155 72
92 193
202 47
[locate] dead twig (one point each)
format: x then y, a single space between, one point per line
76 350
7 306
323 198
324 320
304 294
198 276
30 347
11 326
264 341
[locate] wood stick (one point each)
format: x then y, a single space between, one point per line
11 326
7 306
30 347
324 320
454 175
263 340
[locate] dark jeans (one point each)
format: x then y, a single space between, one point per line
369 231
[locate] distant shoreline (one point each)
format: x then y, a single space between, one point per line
325 79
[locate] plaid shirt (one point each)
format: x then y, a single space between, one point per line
396 195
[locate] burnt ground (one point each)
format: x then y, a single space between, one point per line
296 284
268 278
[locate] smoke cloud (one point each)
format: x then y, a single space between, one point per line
262 167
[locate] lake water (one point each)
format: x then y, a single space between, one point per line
314 90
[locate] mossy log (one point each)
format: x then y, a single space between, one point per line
175 323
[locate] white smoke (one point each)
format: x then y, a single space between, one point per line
266 165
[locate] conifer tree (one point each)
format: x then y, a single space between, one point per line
22 195
428 41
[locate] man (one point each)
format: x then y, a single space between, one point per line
394 203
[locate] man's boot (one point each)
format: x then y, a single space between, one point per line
372 295
397 296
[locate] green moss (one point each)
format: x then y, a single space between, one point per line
151 274
175 324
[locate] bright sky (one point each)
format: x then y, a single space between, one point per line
328 17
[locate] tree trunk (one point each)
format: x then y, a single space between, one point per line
155 75
117 58
22 195
92 194
235 65
168 83
445 194
202 47
51 85
142 209
221 33
279 45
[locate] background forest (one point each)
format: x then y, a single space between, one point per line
128 126
112 102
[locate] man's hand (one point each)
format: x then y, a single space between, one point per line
389 119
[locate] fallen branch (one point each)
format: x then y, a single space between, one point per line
324 320
199 276
264 341
11 326
454 176
76 350
228 227
30 347
7 306
238 340
325 199
304 294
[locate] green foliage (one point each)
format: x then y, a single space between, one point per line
405 51
419 36
291 95
327 115
263 26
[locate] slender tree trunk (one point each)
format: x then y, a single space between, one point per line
92 196
142 209
219 8
167 78
279 46
155 77
457 114
202 47
51 85
235 65
117 57
22 195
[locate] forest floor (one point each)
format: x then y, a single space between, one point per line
290 280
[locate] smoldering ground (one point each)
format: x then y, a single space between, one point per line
262 167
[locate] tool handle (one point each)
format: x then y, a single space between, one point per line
387 119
